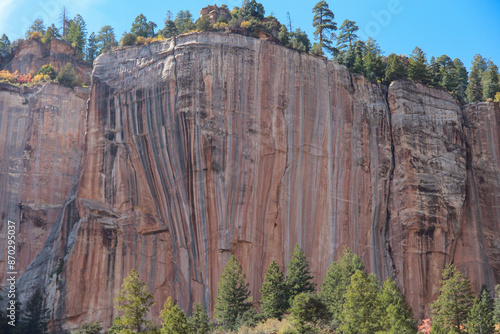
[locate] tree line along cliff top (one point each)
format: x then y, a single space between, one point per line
337 42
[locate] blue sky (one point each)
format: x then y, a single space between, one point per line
458 28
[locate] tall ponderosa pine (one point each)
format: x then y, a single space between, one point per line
480 320
35 318
173 319
92 49
77 33
450 310
397 315
490 79
361 313
461 77
325 25
106 39
141 27
373 67
273 300
336 281
134 302
233 297
299 278
199 320
184 21
418 70
347 35
475 87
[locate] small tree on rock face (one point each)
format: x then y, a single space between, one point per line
233 297
455 299
273 301
36 27
395 69
475 87
299 278
199 321
491 85
4 45
134 302
174 320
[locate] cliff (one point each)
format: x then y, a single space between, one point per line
214 144
32 54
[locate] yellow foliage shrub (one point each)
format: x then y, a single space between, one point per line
36 35
497 97
158 38
143 40
220 25
7 76
245 24
38 78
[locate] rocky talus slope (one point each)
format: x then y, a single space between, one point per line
215 144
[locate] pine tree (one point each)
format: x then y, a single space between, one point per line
4 45
77 34
491 86
141 27
347 35
35 318
336 281
106 39
373 67
199 321
361 312
184 22
461 75
252 8
325 25
170 29
173 319
397 314
51 32
37 26
89 328
418 69
92 49
233 297
395 69
134 302
307 311
450 310
496 304
284 35
475 87
300 41
273 301
480 320
299 278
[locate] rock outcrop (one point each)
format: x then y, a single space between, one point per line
32 54
214 144
42 137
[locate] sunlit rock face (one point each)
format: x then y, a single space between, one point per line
214 144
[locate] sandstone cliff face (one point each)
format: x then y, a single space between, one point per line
32 54
216 144
42 132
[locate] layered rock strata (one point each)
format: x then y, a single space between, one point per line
214 144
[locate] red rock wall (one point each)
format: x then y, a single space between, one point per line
42 136
217 144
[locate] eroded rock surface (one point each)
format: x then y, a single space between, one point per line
214 144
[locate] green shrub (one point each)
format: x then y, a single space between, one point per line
67 77
48 70
129 39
